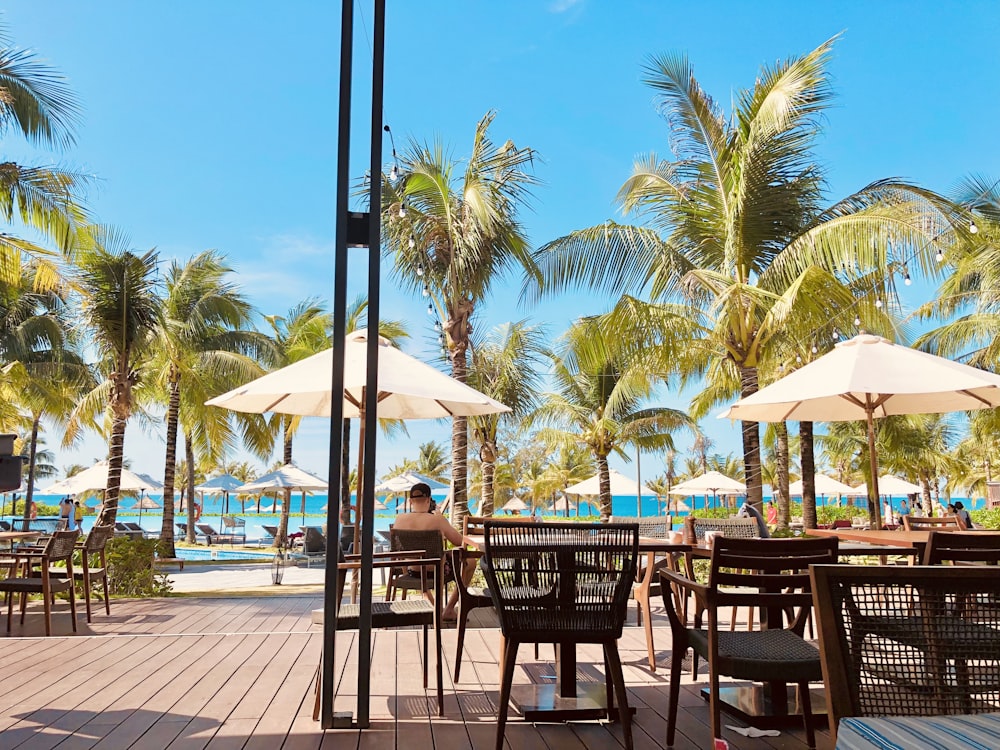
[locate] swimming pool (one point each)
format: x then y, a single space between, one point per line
212 553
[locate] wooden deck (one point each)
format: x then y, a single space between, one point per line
226 673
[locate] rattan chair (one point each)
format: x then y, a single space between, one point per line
563 583
908 641
47 580
94 565
695 530
925 523
390 614
967 549
404 579
647 583
778 654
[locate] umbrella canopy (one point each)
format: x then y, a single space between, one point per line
826 486
156 484
562 505
403 482
515 504
96 478
868 377
146 504
287 477
675 505
408 388
711 481
620 485
219 485
892 486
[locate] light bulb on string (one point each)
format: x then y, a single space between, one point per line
413 242
402 210
939 256
815 349
393 174
420 270
836 335
857 320
906 277
437 325
798 358
973 229
878 303
427 291
430 309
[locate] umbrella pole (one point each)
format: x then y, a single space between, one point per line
874 509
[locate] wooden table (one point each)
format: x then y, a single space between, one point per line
7 537
901 538
566 700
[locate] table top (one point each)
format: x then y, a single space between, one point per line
16 536
646 544
899 538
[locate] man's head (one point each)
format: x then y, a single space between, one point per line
420 495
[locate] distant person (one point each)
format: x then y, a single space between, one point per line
917 511
887 513
66 513
78 514
420 518
904 509
963 514
33 510
772 514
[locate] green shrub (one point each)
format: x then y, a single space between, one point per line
130 568
988 518
712 513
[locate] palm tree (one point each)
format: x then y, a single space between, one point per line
452 235
748 250
505 367
598 403
120 307
35 100
203 348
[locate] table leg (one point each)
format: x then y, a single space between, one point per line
566 669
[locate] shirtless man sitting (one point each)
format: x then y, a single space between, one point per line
420 518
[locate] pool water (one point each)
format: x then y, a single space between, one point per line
213 553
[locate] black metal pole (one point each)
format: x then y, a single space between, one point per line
367 503
331 590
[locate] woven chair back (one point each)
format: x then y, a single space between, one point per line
313 543
475 525
653 527
772 574
913 641
561 582
923 523
98 537
60 546
733 528
431 542
956 547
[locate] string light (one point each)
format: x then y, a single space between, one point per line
402 210
413 242
857 320
430 309
836 335
420 270
427 291
815 349
394 172
878 303
939 256
906 277
973 229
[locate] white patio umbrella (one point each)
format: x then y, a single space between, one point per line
868 377
515 504
562 505
711 481
826 485
407 389
287 477
620 485
401 484
223 484
96 478
892 486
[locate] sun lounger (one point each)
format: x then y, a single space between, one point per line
123 530
211 535
270 533
313 547
234 529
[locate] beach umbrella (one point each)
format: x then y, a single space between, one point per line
869 377
620 485
826 485
222 484
96 478
287 477
562 505
515 504
890 485
145 503
407 389
711 481
401 484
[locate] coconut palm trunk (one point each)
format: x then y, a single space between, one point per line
116 458
781 428
604 486
32 458
488 456
459 331
286 497
189 483
169 470
808 463
751 442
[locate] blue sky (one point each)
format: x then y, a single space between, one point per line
213 125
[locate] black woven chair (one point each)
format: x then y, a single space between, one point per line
563 583
391 614
404 579
94 565
647 583
908 641
966 549
778 583
47 580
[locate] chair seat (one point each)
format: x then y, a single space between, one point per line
34 584
579 625
405 613
763 656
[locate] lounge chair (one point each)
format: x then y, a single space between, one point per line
139 531
234 529
122 529
183 528
313 546
211 535
270 532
